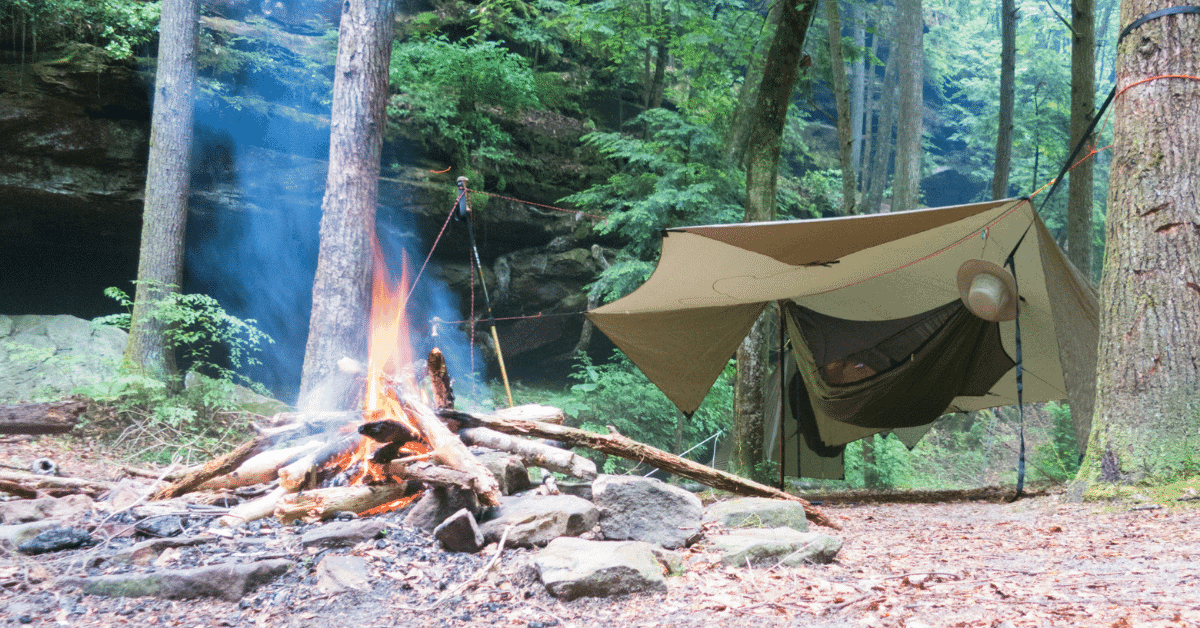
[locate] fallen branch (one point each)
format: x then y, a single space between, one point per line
55 417
429 473
616 444
296 475
260 468
22 483
532 452
214 467
252 510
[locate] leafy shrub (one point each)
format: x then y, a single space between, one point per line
118 26
147 417
1058 458
620 395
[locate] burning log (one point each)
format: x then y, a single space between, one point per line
56 417
616 444
439 380
263 467
449 450
300 473
531 452
324 503
429 473
215 467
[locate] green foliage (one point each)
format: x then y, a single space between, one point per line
672 177
155 422
117 26
195 326
618 394
452 93
1058 458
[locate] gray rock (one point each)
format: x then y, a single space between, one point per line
460 533
227 581
437 504
539 519
646 509
56 540
766 547
757 512
24 510
508 469
342 533
13 535
339 573
572 568
49 357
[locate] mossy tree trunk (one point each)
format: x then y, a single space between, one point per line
780 74
1008 72
1083 105
342 287
168 182
909 47
841 91
1147 418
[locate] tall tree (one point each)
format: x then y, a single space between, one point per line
1083 104
342 287
1147 416
1008 72
168 182
780 74
858 91
882 151
841 92
908 45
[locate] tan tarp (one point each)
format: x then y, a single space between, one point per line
711 282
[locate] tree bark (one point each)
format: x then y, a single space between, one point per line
910 128
883 138
841 93
1083 105
342 287
780 74
739 131
617 445
168 182
858 84
1008 69
1147 416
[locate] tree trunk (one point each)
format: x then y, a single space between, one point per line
909 46
739 131
1083 105
1008 67
858 92
883 138
168 182
1147 425
780 74
841 92
342 287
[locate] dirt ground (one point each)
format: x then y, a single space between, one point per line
1036 562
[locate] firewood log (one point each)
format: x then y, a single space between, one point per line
55 417
24 484
296 475
532 452
450 451
215 467
324 503
252 510
263 467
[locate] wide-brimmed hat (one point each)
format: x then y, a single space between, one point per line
988 290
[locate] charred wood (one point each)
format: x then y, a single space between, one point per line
215 467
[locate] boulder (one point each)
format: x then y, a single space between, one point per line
437 504
48 357
646 509
227 581
18 533
767 547
572 568
508 469
539 519
757 512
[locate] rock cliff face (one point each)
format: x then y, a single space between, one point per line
72 173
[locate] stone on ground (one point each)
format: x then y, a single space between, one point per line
342 533
460 533
227 581
572 568
539 519
757 512
339 573
766 547
646 509
510 472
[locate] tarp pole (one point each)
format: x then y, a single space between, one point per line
464 211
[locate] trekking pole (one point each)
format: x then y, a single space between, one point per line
464 212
